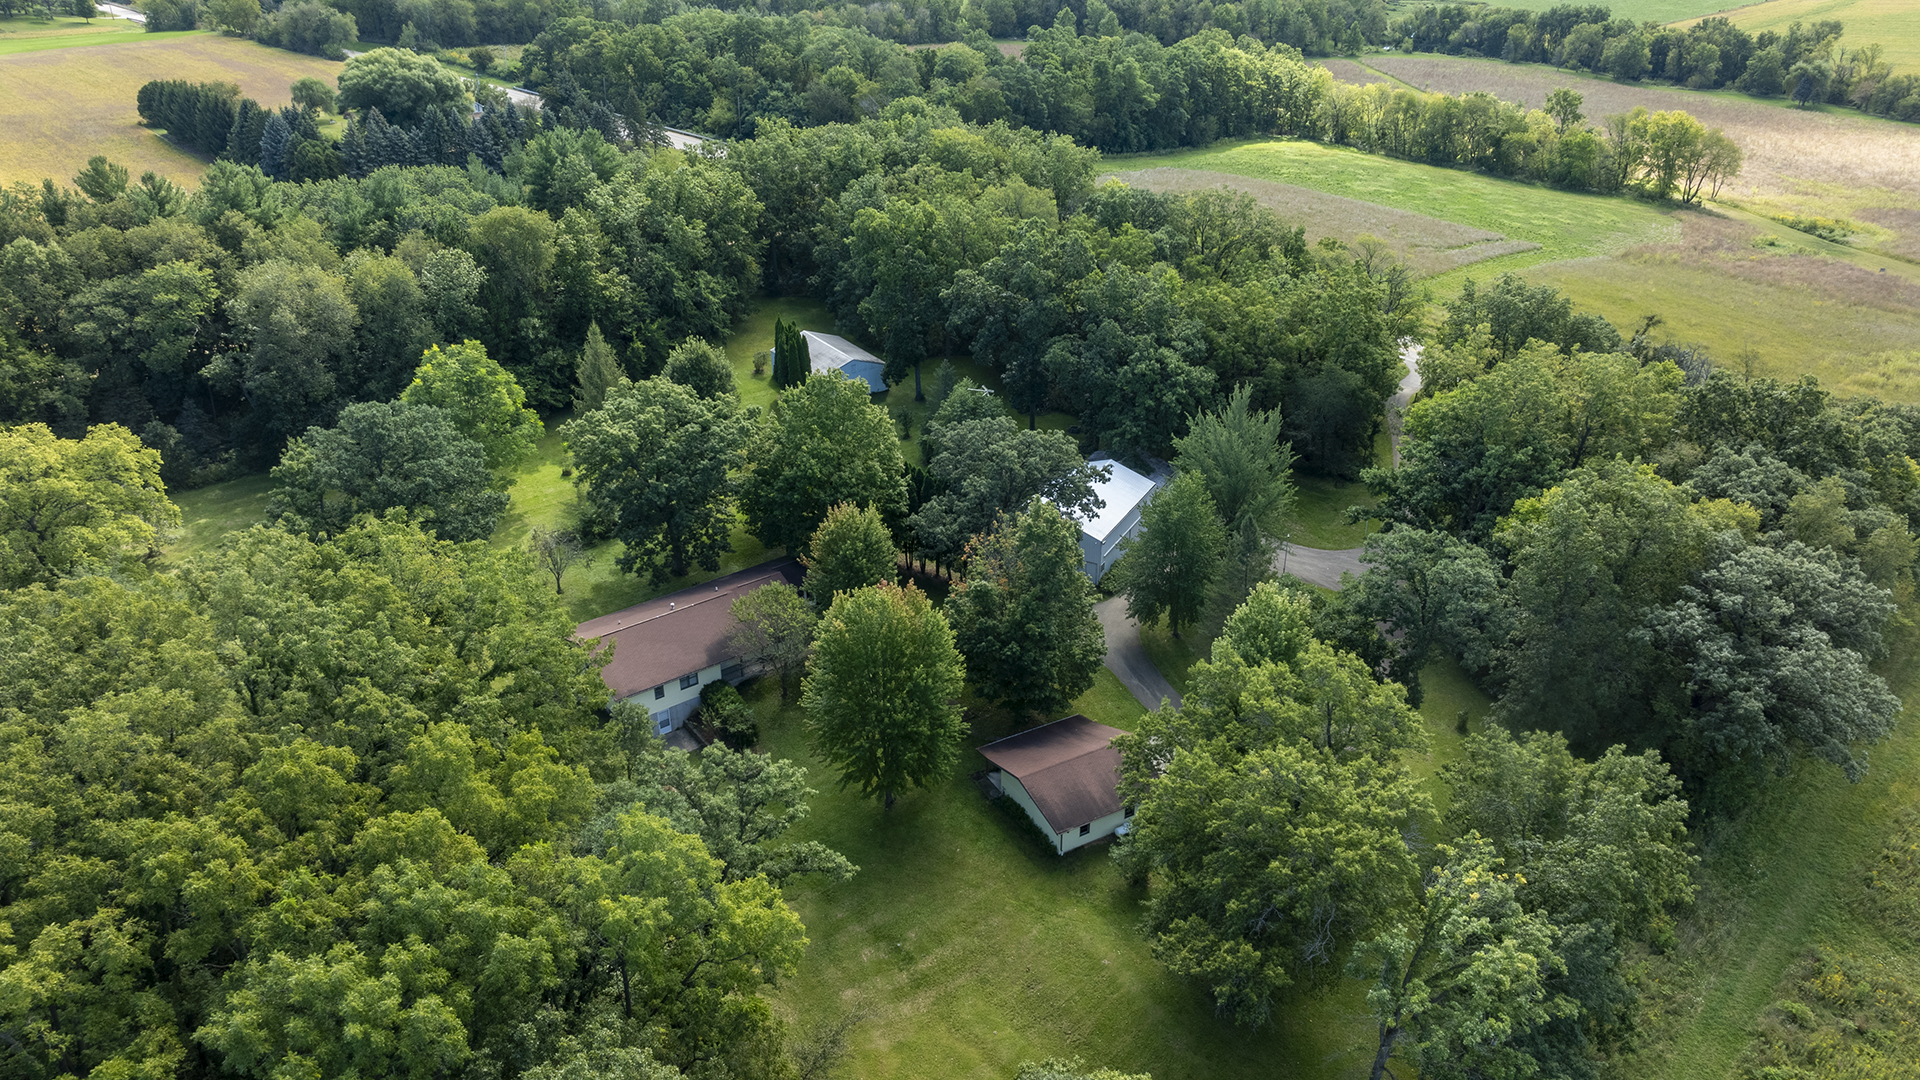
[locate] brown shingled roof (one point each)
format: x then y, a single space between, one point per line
1069 768
677 634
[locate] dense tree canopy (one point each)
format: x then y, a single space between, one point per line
824 445
73 504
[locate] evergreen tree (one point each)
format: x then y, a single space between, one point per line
1247 563
276 141
249 126
1024 616
353 150
598 372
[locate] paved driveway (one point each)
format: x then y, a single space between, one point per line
1127 658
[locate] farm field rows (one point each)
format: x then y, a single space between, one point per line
59 107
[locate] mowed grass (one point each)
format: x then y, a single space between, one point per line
974 948
210 514
1892 24
1783 878
32 33
1565 225
59 107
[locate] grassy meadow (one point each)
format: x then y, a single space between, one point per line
61 106
1637 10
1888 23
35 33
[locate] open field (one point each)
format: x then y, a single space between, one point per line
1428 244
32 33
1563 224
1780 881
1889 23
1732 281
1785 147
62 106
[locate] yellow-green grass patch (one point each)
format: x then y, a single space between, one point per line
975 949
1894 25
60 107
1637 10
209 514
1564 224
1429 245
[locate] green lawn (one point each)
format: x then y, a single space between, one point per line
25 34
1662 11
1566 224
976 949
208 514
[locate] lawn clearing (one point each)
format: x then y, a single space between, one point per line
1429 245
59 107
1637 10
33 33
1894 25
976 949
209 514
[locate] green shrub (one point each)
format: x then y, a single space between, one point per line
725 713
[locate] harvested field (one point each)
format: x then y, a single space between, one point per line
1348 71
60 107
1892 24
1428 244
1783 145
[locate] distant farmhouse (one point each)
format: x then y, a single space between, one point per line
666 649
1126 494
830 352
1067 776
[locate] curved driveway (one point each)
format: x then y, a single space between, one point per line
1127 658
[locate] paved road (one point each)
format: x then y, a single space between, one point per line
1321 567
1127 658
1409 386
120 11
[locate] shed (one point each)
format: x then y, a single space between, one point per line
830 352
1066 775
667 648
1126 493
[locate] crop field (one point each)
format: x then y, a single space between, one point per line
59 107
1429 245
1890 24
1786 148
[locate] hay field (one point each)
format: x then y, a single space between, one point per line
32 33
1428 244
1784 146
1349 71
1892 24
62 106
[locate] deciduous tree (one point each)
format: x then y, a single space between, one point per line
66 504
481 398
773 628
881 691
825 444
662 458
1167 569
1023 618
850 550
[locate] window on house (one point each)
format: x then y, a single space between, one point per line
660 691
687 681
1087 828
1126 811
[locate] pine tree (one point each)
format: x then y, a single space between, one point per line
276 140
599 372
353 150
249 126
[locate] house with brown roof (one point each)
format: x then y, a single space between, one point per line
1066 775
667 648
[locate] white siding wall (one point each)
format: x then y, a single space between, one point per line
675 704
1099 557
1062 842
